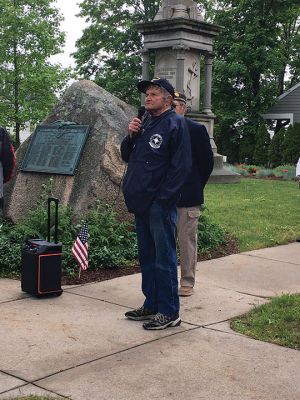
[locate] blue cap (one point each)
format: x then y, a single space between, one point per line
161 82
180 96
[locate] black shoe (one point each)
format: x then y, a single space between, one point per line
140 314
298 239
160 321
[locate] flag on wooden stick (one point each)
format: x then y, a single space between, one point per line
80 248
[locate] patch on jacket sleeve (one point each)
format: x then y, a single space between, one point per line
156 141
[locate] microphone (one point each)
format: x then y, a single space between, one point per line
140 115
141 112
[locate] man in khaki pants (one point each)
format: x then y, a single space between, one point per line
188 207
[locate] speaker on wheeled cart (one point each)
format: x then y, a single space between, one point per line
41 262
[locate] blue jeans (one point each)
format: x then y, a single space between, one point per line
155 231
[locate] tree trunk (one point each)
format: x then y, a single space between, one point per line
16 96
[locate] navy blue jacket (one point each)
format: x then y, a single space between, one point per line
202 166
159 160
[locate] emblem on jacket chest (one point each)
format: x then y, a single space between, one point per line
156 141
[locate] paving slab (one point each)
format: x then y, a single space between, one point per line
195 365
27 391
125 291
43 336
10 289
252 275
289 253
8 382
208 304
211 304
80 345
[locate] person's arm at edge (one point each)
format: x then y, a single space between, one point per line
298 169
7 155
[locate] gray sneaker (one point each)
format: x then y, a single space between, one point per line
140 314
160 321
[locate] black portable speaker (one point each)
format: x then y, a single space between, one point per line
41 262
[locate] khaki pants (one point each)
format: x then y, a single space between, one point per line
187 224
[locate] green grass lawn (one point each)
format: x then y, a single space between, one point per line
276 322
259 212
262 213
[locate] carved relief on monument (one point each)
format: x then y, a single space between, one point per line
192 80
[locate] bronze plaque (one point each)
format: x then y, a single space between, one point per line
56 148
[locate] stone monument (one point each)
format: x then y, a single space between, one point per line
100 169
180 39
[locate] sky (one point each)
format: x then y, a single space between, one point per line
72 26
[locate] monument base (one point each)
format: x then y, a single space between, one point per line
221 174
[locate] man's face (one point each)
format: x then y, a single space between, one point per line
156 102
180 107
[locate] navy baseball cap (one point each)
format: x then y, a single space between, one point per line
180 97
161 82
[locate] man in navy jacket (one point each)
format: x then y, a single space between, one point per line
188 206
157 150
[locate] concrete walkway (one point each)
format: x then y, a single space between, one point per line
80 346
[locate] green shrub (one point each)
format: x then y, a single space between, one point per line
241 169
210 234
262 143
276 148
247 141
264 173
112 242
10 250
34 225
286 172
291 144
227 139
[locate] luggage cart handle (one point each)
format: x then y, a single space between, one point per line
55 200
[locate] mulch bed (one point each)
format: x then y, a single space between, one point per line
99 275
268 178
104 274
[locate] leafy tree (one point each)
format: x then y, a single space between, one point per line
227 139
109 49
252 54
288 51
29 35
262 144
276 148
291 144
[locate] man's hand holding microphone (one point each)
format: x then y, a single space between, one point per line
135 125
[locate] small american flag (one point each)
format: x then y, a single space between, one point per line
80 248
